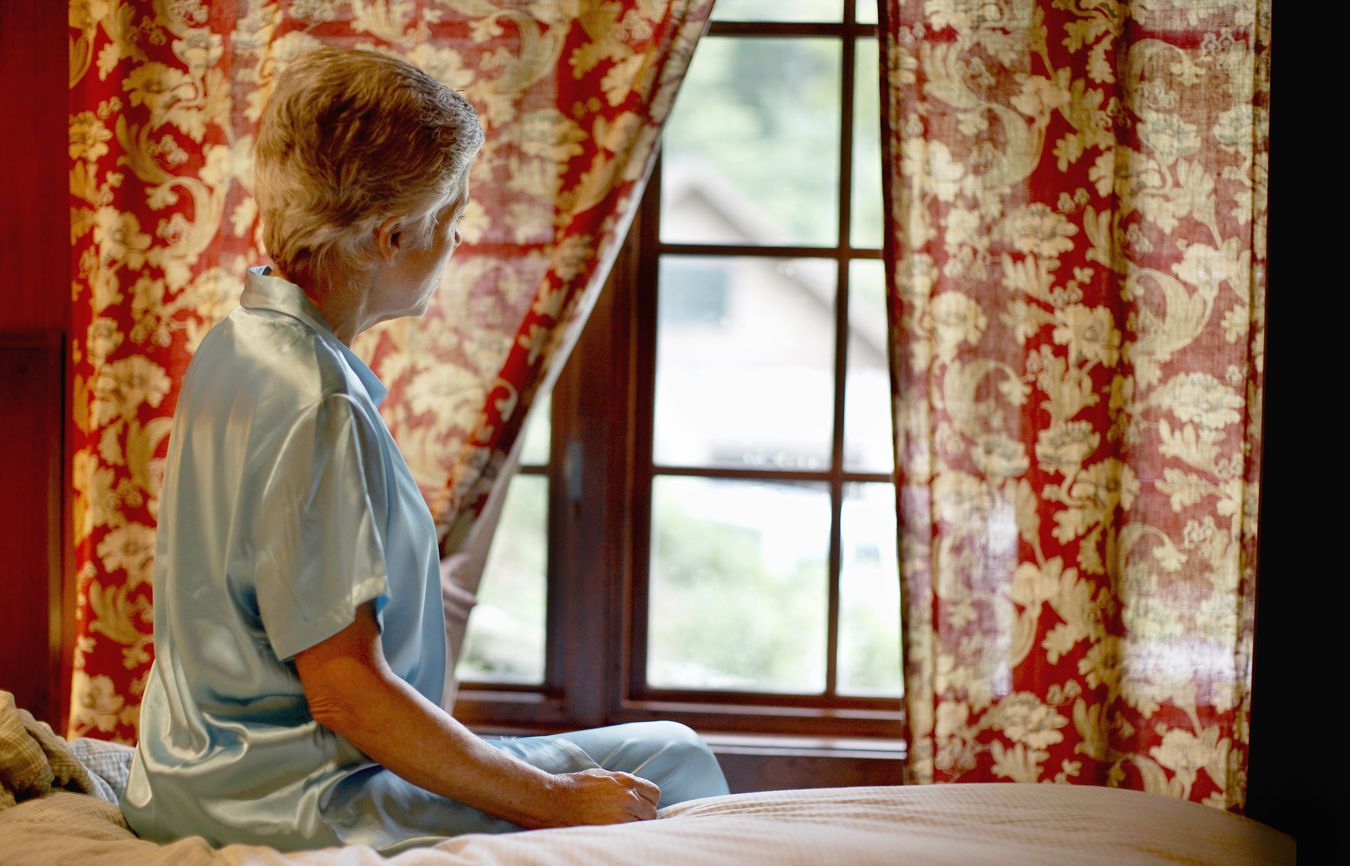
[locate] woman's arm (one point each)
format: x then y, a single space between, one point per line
352 692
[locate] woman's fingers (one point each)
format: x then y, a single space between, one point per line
643 788
647 790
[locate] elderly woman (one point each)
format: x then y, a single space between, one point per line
299 630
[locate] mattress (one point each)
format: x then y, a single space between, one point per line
939 824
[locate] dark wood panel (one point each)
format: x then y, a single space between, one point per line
751 770
34 197
32 608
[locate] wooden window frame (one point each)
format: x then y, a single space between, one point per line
601 473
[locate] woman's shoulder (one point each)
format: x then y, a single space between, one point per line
271 356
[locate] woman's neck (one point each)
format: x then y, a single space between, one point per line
340 301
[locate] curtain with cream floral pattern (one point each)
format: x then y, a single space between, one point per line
164 102
1076 196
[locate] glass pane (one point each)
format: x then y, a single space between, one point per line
867 398
751 148
869 593
865 214
744 362
866 11
738 585
778 10
505 639
538 429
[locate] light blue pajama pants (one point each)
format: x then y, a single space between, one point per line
380 809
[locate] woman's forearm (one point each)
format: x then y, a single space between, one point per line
352 691
404 732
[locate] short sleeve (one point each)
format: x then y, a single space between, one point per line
319 549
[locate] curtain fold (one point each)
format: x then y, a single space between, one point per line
1076 205
164 102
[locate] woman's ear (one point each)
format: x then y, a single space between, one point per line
388 238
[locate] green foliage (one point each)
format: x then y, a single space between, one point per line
720 617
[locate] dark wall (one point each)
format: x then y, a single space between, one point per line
1293 757
34 305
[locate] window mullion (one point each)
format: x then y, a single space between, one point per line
560 529
841 334
587 604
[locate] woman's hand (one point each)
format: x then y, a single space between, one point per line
605 797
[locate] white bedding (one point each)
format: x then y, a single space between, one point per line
946 824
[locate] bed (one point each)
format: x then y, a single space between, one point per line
63 814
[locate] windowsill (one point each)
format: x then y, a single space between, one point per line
741 743
870 729
866 748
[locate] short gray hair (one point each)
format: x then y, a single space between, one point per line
348 139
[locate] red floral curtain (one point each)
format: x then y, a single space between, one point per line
1076 197
164 103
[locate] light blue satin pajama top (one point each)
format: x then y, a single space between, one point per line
286 505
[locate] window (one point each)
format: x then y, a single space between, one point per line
713 473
